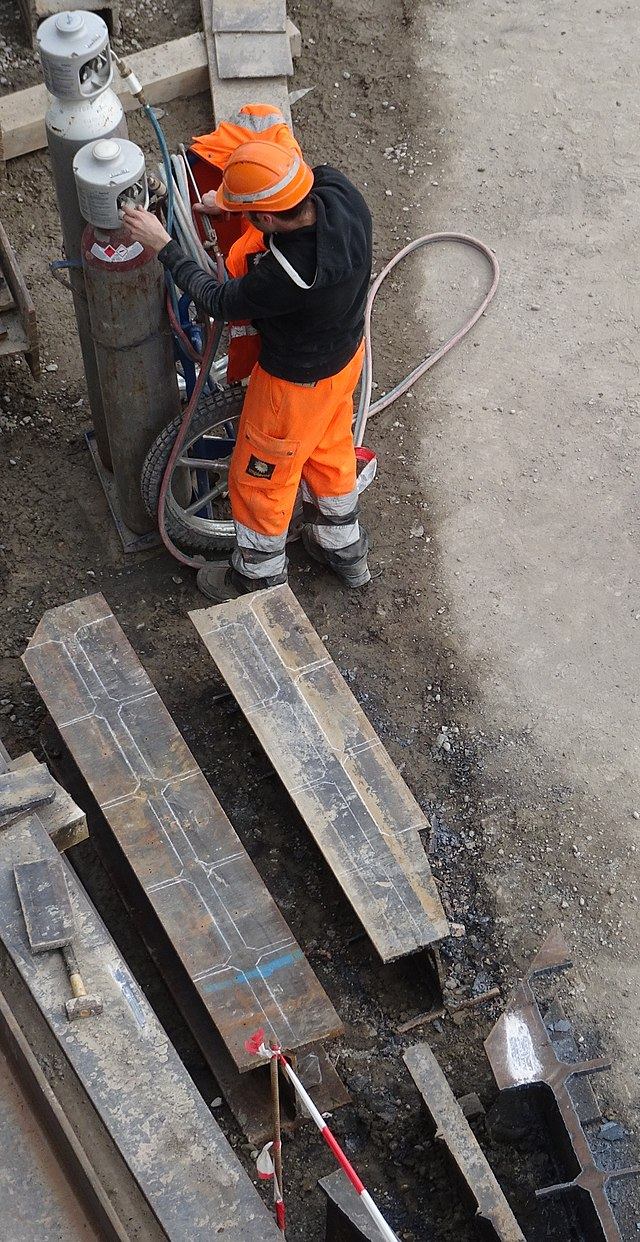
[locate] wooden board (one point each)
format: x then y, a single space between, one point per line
230 94
331 761
127 1074
255 15
173 70
454 1130
21 322
178 69
44 897
65 822
63 819
265 55
24 791
232 941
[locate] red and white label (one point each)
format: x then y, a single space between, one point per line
116 254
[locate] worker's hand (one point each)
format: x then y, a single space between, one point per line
209 206
145 228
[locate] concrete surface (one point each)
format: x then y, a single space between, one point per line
531 456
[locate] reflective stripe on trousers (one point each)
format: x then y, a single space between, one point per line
334 518
241 329
259 556
287 432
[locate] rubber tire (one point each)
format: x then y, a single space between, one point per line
212 408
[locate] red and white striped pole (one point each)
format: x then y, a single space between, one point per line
257 1045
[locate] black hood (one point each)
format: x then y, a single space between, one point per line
343 228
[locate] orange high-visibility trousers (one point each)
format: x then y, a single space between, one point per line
287 433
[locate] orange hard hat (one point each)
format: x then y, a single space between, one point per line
261 176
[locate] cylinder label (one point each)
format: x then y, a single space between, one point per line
61 78
116 254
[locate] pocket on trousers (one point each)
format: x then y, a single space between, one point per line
267 459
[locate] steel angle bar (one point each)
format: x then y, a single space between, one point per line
346 1220
522 1055
455 1132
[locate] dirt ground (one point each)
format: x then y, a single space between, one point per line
466 653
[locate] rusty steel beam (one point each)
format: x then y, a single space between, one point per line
521 1054
332 763
455 1132
190 867
165 1167
41 1153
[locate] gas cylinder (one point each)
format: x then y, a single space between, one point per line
130 329
76 65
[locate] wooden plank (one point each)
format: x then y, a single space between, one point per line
6 297
24 791
264 55
22 122
109 10
332 763
243 15
128 1074
173 70
454 1130
229 95
46 907
178 69
231 939
63 819
22 322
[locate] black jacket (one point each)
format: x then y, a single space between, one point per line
307 334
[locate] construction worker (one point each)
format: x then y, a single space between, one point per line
239 241
306 296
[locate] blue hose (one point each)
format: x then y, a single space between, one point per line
167 163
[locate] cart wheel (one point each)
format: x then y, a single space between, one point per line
198 513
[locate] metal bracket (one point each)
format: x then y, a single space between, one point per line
522 1054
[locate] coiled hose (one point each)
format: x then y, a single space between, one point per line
212 340
366 409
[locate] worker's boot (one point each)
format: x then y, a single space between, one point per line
223 582
350 563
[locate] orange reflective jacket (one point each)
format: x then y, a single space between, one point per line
239 240
244 339
263 121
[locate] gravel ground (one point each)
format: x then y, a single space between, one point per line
371 113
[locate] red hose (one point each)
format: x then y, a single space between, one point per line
210 346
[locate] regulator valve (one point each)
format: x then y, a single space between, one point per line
75 55
110 174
